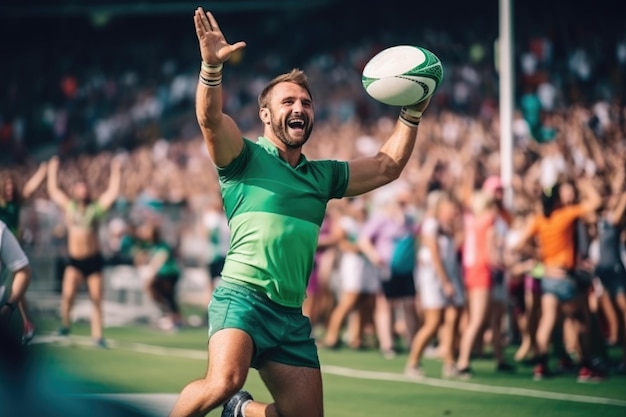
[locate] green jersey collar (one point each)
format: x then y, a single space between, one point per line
267 144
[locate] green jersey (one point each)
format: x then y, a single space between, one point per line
170 267
87 218
10 214
274 213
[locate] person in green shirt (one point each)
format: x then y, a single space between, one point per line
157 261
275 200
11 199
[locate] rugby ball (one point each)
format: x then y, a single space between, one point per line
402 75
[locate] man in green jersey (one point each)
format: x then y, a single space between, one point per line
275 201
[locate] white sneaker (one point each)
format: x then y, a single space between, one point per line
449 371
417 372
431 352
388 353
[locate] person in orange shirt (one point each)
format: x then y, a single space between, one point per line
554 230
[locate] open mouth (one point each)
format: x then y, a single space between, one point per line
296 124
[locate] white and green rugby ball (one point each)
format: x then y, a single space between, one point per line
402 75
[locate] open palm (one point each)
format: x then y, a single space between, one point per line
213 46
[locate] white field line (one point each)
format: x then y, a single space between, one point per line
361 374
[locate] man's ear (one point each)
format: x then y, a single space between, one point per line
264 115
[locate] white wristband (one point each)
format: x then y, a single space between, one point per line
212 69
413 113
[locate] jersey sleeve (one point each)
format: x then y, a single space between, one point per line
11 253
334 176
234 170
340 178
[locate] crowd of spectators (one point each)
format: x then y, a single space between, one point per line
137 103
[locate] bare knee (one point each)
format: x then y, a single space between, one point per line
224 385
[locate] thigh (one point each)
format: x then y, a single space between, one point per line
432 317
430 293
94 286
72 278
478 305
620 302
451 316
549 307
297 391
230 354
496 314
293 344
576 308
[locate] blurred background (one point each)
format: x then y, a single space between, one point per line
94 79
93 75
87 80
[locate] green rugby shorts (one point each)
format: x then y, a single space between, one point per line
280 334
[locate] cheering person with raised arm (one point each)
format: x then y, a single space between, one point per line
275 200
85 263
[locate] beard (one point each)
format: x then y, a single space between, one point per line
280 128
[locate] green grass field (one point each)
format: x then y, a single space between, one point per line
142 360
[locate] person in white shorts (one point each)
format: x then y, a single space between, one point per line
358 279
14 274
439 282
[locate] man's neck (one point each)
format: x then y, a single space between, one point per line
290 155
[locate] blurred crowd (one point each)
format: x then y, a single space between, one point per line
135 86
174 184
569 130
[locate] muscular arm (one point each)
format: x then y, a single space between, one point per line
367 174
222 137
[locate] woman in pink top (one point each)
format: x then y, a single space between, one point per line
478 259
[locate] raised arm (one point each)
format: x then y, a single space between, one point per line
35 181
109 196
55 193
367 174
221 135
592 200
619 213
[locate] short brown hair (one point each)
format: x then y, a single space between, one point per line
296 76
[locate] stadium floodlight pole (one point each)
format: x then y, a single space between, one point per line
506 71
